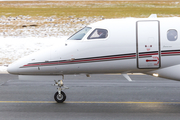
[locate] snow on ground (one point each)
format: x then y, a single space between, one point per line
28 26
3 69
23 35
11 49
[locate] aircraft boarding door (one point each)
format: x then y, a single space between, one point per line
148 44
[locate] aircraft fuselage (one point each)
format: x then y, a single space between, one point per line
131 45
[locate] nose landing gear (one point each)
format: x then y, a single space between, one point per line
60 96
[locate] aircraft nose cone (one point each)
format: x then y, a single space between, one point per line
12 69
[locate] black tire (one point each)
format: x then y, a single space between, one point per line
60 99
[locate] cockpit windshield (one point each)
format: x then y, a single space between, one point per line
80 34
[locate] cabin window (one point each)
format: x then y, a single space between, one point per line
172 35
80 34
98 34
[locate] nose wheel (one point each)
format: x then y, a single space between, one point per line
60 96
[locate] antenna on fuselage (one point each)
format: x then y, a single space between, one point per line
127 77
153 16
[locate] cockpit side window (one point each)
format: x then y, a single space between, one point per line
80 34
98 34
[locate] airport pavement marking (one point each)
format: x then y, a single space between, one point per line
89 102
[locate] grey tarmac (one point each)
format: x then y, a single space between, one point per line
99 97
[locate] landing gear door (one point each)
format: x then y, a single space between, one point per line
148 44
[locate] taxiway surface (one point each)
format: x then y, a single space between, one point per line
99 97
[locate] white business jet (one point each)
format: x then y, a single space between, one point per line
129 45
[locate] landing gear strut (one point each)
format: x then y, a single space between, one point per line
60 96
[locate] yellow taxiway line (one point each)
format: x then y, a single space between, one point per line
91 102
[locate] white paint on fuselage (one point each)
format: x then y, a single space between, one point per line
121 40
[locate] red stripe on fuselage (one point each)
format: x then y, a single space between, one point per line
96 59
78 61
